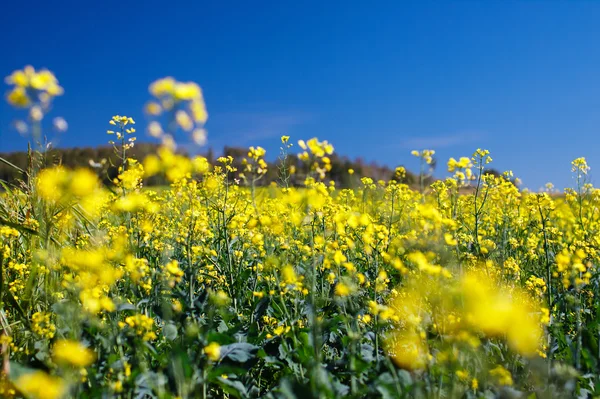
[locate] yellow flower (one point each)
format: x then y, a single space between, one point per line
39 385
502 375
83 182
50 183
213 351
117 386
184 120
41 86
42 324
580 165
408 350
449 239
281 330
173 274
289 275
497 313
199 112
190 110
18 98
220 298
153 108
342 290
73 353
142 325
339 257
462 374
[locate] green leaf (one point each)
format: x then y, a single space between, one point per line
366 352
340 389
126 306
239 352
41 348
233 387
261 308
286 390
405 376
386 387
222 327
291 389
11 299
170 331
17 370
17 226
5 161
323 380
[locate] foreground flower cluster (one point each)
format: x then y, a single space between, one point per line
215 287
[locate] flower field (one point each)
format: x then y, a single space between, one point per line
219 287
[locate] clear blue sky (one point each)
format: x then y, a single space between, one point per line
376 79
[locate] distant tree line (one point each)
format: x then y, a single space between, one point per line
105 156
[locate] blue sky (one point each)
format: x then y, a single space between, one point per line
377 79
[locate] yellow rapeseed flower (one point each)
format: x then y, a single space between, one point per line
342 289
407 350
73 353
213 351
501 375
40 385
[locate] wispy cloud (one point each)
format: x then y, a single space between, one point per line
247 127
449 140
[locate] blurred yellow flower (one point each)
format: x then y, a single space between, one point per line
39 385
73 353
342 289
501 375
407 350
213 351
32 87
